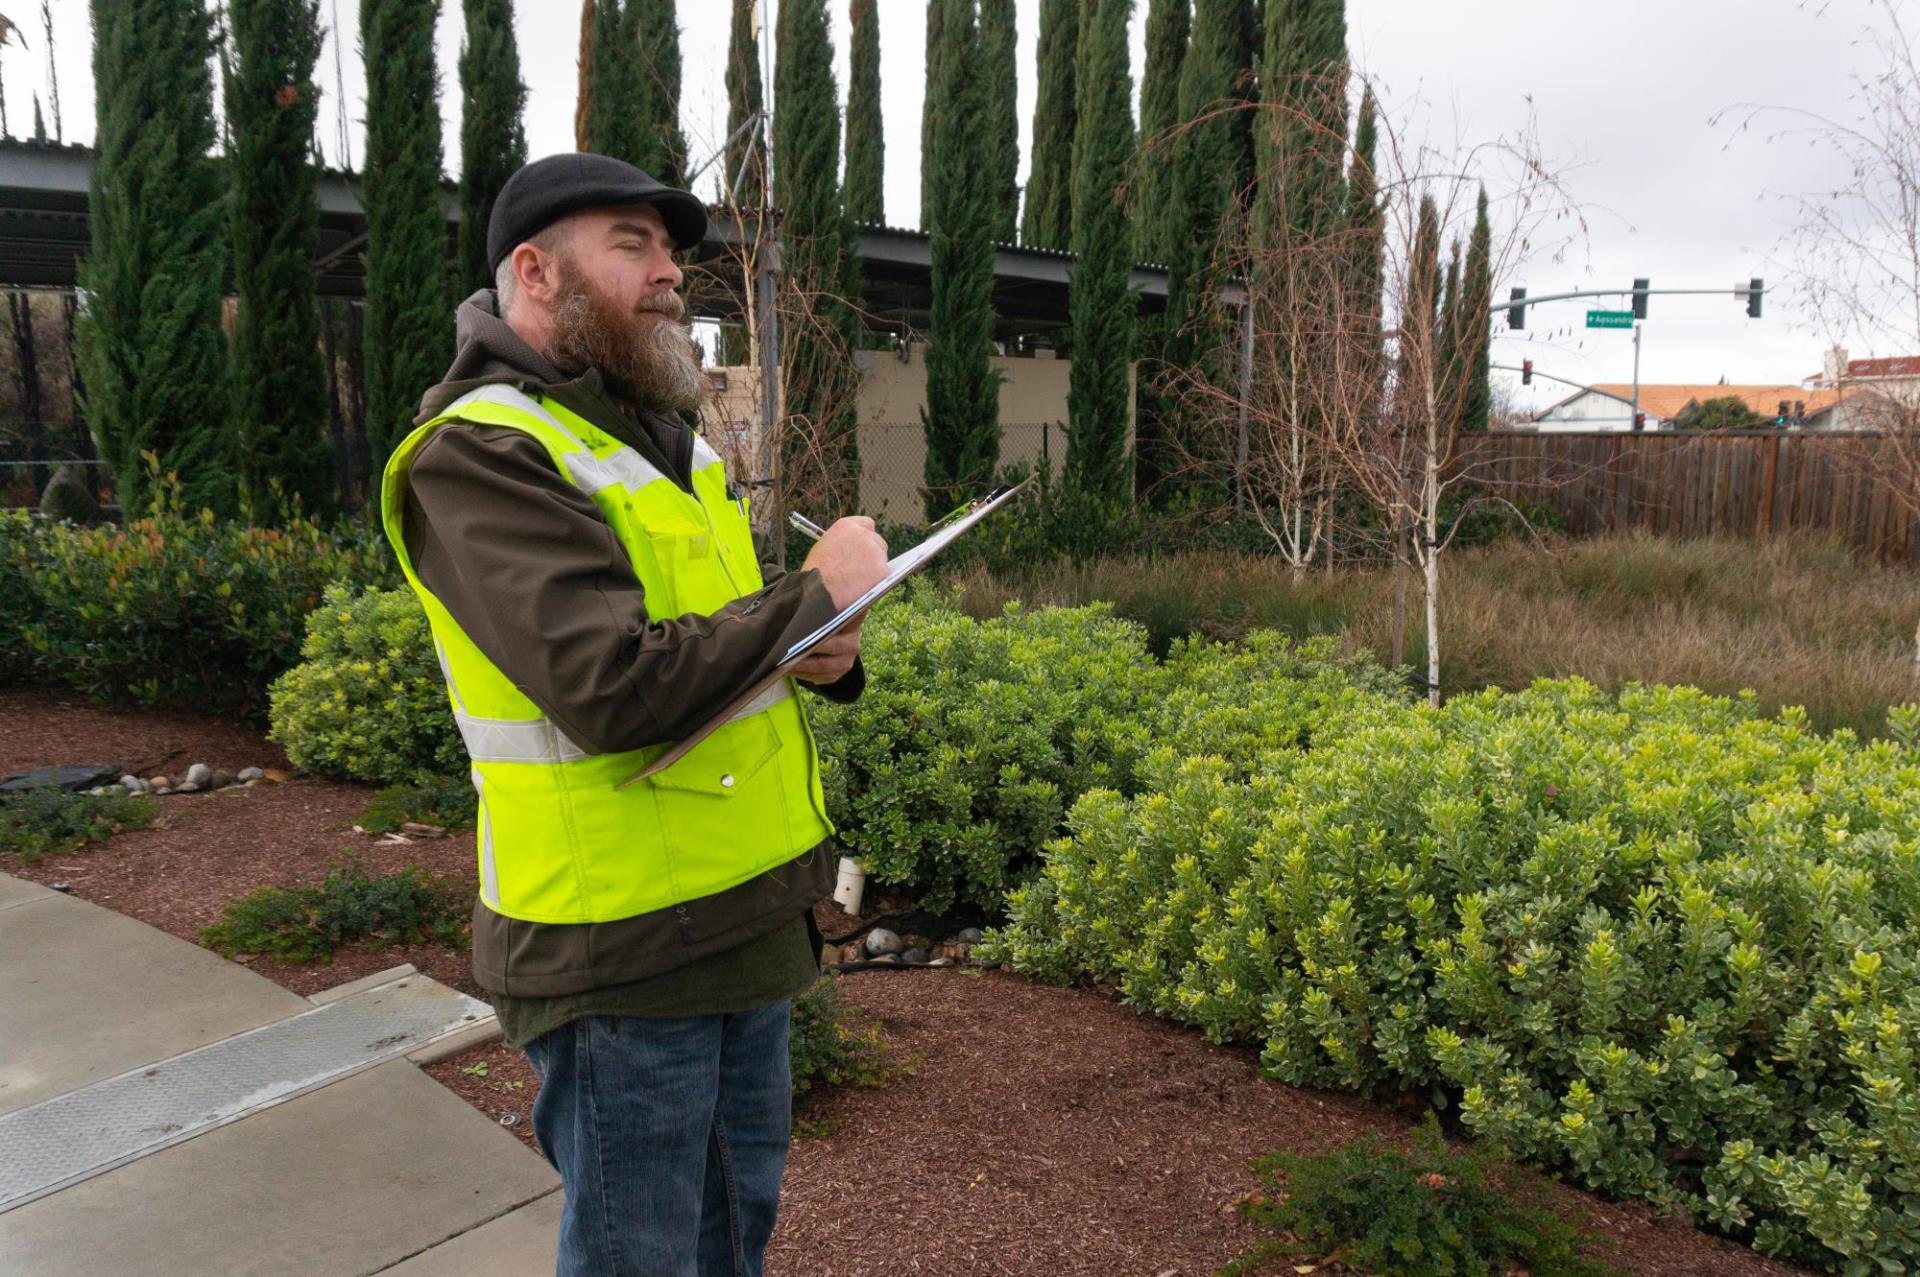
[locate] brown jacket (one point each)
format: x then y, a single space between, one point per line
538 580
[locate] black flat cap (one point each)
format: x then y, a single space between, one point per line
541 193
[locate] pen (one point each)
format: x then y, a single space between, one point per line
806 525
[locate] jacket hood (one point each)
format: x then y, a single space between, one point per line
486 350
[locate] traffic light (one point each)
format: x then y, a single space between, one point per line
1799 412
1526 372
1781 418
1640 298
1639 421
1517 312
1755 288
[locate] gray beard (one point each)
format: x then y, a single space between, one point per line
649 362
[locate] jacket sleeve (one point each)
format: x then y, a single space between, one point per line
525 564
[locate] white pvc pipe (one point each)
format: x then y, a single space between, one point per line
852 884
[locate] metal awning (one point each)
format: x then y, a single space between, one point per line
43 232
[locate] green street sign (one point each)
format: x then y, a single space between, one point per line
1609 319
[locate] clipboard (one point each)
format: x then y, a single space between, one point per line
899 568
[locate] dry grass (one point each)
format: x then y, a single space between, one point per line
1800 621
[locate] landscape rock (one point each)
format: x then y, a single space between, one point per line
221 779
69 497
277 774
852 951
133 784
162 789
187 787
914 957
880 941
160 782
199 774
969 935
76 777
250 773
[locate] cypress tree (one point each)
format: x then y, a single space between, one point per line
866 138
1450 369
1364 234
1153 218
821 446
743 102
658 29
929 104
1047 218
1100 304
493 141
151 350
1204 200
604 121
630 86
1302 131
408 336
1420 335
962 417
1000 121
278 386
1476 283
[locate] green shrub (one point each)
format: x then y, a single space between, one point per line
1661 942
1430 1212
307 923
831 1046
973 738
171 609
947 778
367 700
448 802
48 822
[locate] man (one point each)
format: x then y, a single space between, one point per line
594 594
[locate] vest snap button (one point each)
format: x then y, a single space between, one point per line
726 781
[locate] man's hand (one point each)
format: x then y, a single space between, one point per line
831 660
851 559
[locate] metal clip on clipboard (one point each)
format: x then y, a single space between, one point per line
899 568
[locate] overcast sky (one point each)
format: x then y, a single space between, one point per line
1622 93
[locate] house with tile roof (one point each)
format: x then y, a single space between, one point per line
1609 406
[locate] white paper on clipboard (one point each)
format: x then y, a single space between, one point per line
899 568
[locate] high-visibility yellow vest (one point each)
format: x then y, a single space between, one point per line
557 842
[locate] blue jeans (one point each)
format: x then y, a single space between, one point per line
670 1136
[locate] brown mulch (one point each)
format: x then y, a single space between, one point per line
1041 1130
205 850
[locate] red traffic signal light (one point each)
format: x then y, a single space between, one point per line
1639 421
1526 372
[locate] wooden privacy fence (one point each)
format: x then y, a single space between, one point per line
1702 483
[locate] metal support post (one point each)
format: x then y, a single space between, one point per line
766 267
1246 393
1634 421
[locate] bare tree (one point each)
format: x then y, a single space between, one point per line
1853 249
1357 395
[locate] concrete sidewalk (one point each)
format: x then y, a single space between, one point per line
372 1169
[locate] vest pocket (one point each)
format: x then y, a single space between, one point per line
726 763
724 807
687 556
